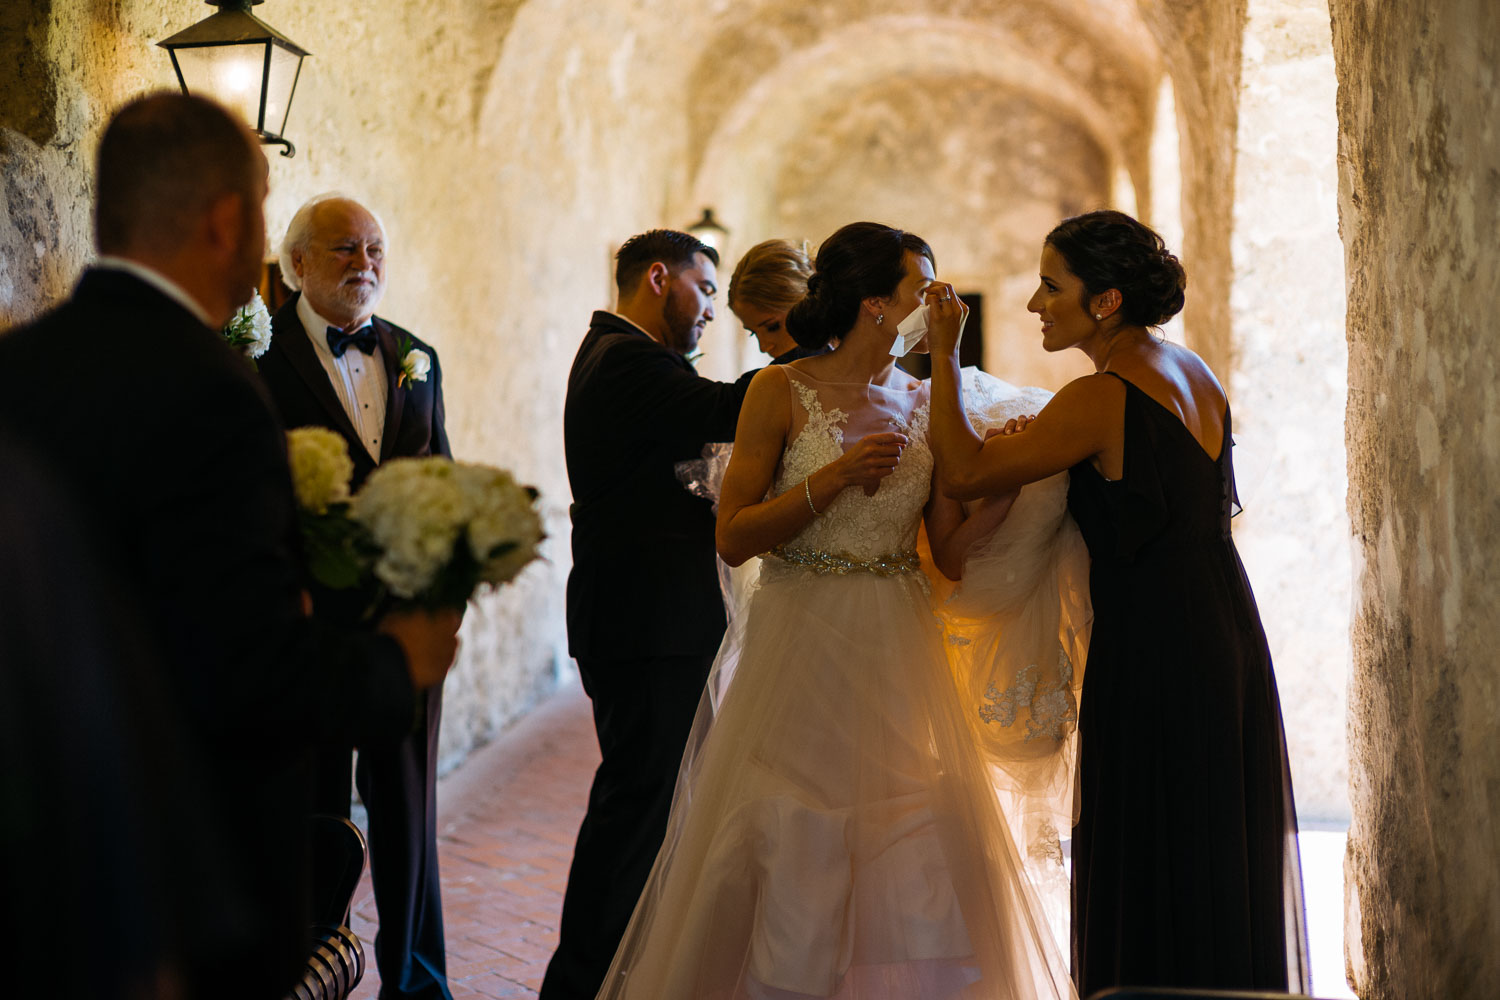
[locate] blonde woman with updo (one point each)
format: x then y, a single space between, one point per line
767 282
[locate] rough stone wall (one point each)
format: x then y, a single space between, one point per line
1288 384
60 64
1200 46
1419 200
31 273
29 104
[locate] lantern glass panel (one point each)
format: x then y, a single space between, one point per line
283 78
230 74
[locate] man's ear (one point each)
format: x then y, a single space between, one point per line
658 277
224 223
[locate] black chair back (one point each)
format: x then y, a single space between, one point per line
337 962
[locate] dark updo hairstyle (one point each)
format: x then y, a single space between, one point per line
861 260
1111 250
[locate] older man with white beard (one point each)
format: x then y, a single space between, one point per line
333 363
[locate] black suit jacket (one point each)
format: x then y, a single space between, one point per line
161 434
414 417
644 580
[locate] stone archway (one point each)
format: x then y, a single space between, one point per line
959 129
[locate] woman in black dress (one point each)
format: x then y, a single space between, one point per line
1184 852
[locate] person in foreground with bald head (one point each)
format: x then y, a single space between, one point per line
158 434
333 363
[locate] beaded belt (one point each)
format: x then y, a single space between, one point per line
893 564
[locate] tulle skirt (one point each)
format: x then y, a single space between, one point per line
836 831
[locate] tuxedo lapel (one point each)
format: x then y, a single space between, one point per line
303 358
395 398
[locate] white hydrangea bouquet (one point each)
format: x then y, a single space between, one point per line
441 529
425 531
249 329
331 541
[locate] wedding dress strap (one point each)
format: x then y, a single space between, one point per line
893 564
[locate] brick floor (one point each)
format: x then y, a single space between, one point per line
506 823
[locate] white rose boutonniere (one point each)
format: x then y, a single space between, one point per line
415 364
249 329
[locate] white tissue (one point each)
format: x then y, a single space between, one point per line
913 328
910 331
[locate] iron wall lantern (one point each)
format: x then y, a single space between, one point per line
242 62
708 230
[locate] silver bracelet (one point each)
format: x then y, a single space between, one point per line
807 489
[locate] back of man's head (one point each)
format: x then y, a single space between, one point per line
164 159
665 246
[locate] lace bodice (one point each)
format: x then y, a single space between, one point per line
830 418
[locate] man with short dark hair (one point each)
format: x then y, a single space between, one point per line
645 614
160 434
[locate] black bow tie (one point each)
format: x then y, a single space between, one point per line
363 338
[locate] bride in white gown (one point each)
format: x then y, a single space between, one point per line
836 830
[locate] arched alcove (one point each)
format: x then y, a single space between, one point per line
817 139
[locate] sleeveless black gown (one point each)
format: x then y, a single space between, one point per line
1185 867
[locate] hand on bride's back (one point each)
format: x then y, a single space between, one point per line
872 458
1015 425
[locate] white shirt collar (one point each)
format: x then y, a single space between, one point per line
317 325
632 322
156 280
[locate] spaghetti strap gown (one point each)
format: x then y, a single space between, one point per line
1185 865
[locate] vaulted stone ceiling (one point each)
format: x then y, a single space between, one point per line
978 124
774 67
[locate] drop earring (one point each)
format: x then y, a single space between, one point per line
880 319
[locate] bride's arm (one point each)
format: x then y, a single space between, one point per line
951 533
750 524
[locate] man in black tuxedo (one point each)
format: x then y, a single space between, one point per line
159 432
334 364
645 613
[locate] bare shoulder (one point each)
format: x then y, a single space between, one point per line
1176 378
1192 368
769 396
1193 378
770 384
1095 393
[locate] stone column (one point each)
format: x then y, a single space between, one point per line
1419 205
